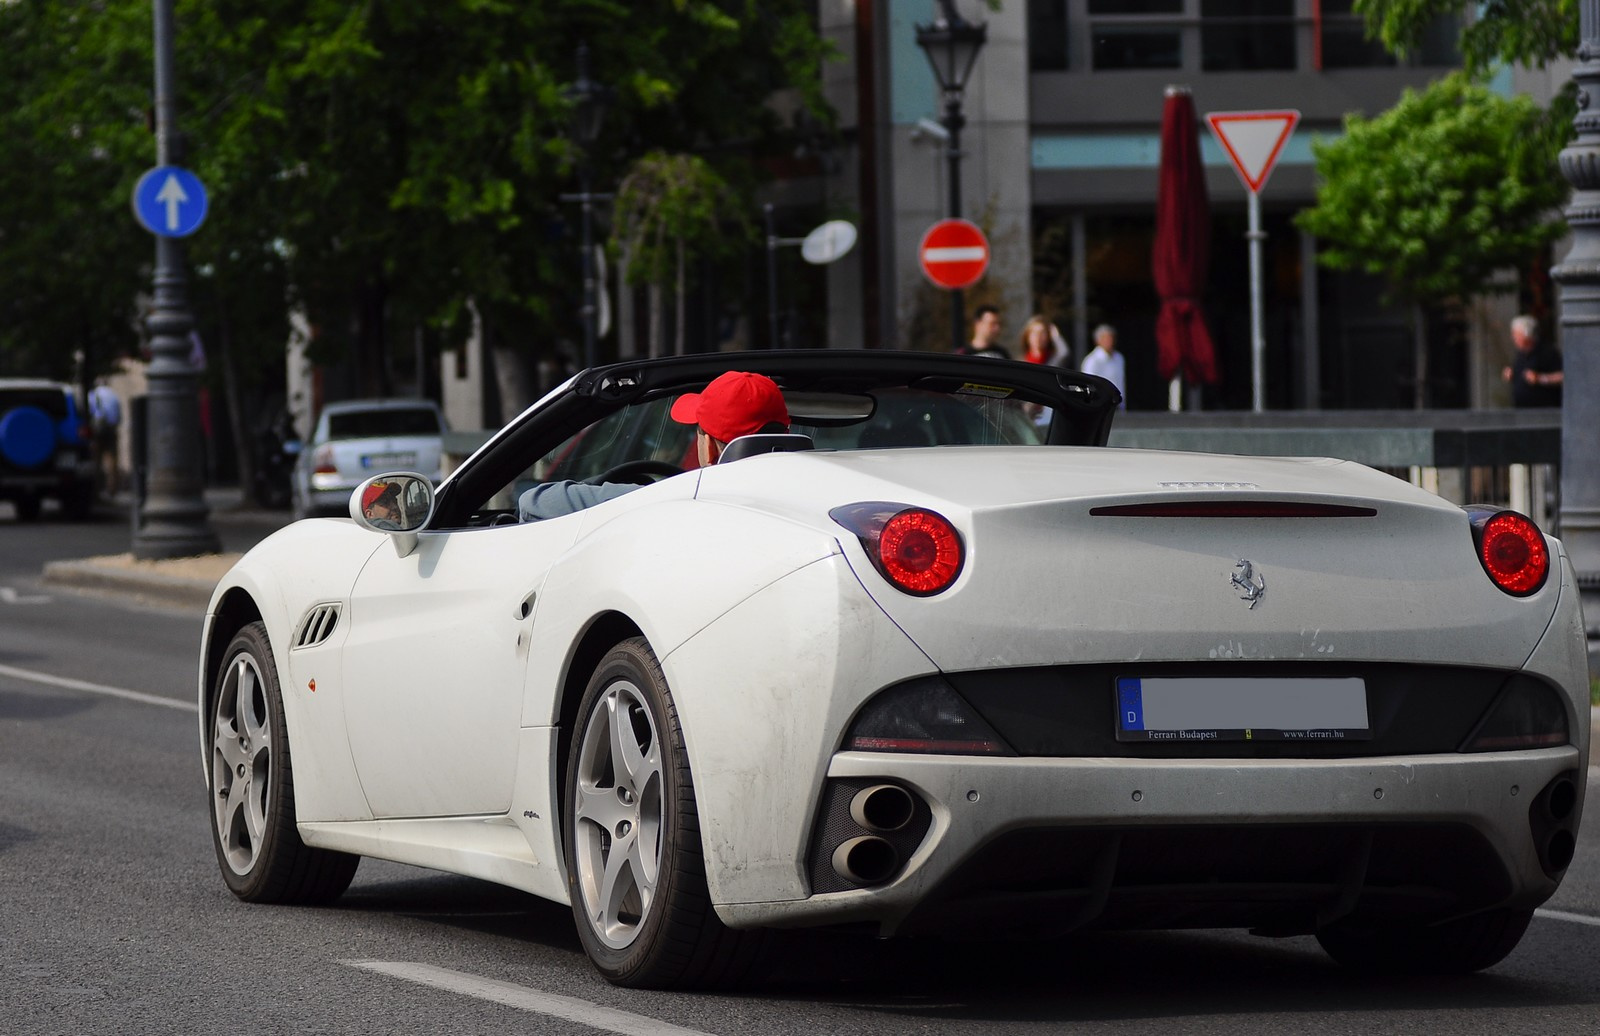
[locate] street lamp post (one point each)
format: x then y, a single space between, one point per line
589 101
1579 277
172 513
952 44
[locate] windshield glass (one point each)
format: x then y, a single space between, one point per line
899 417
366 424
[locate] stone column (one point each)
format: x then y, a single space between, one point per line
1579 277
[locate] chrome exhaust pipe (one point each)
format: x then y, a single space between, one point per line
882 807
865 860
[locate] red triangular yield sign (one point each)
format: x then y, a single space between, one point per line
1253 140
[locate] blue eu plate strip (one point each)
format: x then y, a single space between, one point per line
1130 703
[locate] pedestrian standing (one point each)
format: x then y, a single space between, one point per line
985 334
105 417
1105 361
1042 343
1535 371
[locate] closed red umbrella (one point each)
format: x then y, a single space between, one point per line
1182 249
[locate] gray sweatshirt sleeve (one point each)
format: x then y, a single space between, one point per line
554 499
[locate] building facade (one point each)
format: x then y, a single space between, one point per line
1059 167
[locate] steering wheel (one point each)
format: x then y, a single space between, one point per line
640 472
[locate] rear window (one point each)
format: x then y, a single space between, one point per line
51 401
367 424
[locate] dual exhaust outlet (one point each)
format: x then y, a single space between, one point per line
871 859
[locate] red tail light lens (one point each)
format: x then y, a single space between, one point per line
1513 551
917 550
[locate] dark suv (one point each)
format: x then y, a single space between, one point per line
44 448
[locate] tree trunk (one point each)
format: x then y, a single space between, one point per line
683 301
655 319
242 423
1419 320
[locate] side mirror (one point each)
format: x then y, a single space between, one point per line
397 504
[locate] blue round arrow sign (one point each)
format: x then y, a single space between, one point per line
169 201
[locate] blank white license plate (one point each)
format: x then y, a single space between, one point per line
389 461
1265 708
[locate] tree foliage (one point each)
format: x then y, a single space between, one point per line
376 165
1527 32
1440 192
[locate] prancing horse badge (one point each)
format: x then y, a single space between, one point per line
1250 583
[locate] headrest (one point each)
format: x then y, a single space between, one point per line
750 445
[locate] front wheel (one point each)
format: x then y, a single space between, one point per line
1456 947
634 864
252 787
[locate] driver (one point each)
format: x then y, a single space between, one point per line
381 504
735 403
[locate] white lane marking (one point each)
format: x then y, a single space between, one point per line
565 1007
97 688
10 596
1562 915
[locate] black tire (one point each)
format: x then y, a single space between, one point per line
251 784
27 505
665 935
1457 947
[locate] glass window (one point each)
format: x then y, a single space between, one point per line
1135 6
1136 46
1247 35
1047 35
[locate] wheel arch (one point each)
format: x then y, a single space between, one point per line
606 631
233 612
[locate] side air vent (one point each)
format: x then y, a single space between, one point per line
317 626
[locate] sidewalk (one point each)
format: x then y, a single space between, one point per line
178 582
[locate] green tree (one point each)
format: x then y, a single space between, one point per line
377 166
1527 32
1439 193
670 210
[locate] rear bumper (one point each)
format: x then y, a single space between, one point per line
1283 844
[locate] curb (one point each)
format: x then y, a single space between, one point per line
180 591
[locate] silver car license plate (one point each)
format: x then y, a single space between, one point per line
1265 708
388 461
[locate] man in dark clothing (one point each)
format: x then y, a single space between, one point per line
1535 371
985 335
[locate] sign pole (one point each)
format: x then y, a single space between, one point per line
1258 341
1253 141
172 514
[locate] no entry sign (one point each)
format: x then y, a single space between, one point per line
954 253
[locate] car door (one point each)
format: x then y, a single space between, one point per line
435 666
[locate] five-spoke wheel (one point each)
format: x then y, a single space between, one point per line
634 860
252 786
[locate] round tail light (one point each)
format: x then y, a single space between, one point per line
920 552
917 550
1513 553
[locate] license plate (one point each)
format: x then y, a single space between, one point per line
1265 708
389 461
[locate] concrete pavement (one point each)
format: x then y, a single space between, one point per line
178 582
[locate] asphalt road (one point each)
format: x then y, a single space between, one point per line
113 918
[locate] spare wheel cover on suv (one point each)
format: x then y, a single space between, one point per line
27 436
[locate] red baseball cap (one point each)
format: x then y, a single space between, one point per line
735 403
374 491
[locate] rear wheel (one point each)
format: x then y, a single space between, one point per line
634 863
252 787
27 505
1454 948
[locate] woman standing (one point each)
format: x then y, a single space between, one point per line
1041 342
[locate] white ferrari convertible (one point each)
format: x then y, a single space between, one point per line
936 660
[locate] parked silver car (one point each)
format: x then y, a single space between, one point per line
358 438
